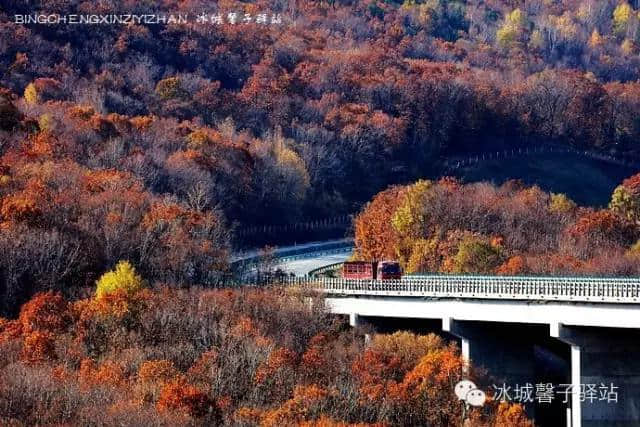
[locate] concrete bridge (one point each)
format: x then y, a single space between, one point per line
593 323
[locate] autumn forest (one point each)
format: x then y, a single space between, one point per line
131 157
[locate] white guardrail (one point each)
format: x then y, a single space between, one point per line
577 289
314 254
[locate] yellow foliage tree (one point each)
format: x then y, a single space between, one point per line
171 87
628 47
625 199
634 250
560 203
291 161
197 138
621 16
31 94
585 12
409 219
506 35
596 39
514 24
45 122
475 256
290 165
424 256
122 278
566 26
407 347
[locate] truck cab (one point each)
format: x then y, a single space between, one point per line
388 270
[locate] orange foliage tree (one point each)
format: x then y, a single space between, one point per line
374 232
178 395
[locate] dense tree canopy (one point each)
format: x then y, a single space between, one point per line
227 357
449 227
135 151
339 101
153 143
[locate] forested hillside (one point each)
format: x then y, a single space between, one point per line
131 356
131 154
151 142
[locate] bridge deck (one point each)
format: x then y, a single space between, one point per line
578 289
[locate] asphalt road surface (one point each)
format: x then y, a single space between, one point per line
301 267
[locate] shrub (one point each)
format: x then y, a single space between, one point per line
10 116
512 415
31 94
408 347
475 256
122 278
156 370
9 330
170 87
108 373
152 377
560 203
46 311
38 347
42 90
512 266
625 199
178 395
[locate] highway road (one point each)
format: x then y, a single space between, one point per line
300 259
301 267
293 249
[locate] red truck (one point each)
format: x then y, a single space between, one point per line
371 270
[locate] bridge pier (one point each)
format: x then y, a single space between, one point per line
506 351
527 333
605 374
354 320
454 328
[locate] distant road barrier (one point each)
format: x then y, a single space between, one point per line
342 221
457 163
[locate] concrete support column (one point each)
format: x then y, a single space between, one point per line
354 320
576 406
451 326
505 350
602 358
466 353
501 349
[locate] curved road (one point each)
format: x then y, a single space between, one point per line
284 251
300 259
301 267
